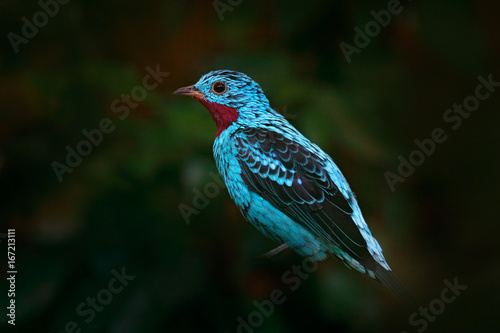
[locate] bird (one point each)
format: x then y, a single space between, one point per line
283 184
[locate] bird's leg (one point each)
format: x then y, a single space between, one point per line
275 251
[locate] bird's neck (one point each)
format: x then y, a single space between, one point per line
223 115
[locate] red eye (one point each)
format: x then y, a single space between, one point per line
219 87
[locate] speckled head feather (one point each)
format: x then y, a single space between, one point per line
229 96
241 91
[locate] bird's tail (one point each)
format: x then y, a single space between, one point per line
388 279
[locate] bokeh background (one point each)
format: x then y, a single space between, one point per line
119 208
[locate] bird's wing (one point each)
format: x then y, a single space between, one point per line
295 181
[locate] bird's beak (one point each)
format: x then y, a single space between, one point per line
189 91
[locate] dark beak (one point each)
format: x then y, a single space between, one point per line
189 91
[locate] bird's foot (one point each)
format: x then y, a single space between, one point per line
275 251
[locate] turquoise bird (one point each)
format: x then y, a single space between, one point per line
284 184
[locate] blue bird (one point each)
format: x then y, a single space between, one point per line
284 184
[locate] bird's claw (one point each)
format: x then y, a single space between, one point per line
275 251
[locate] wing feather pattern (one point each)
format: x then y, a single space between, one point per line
295 181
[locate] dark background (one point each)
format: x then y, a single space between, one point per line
119 208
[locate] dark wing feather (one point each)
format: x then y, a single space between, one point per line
308 195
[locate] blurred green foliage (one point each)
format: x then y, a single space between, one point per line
120 206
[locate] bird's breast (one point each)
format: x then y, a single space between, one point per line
225 153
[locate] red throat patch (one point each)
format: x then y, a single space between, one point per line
223 115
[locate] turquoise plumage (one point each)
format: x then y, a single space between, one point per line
284 184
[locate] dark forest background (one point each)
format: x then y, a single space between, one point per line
118 210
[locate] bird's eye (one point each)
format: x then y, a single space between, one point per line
219 87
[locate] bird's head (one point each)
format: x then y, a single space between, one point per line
229 96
